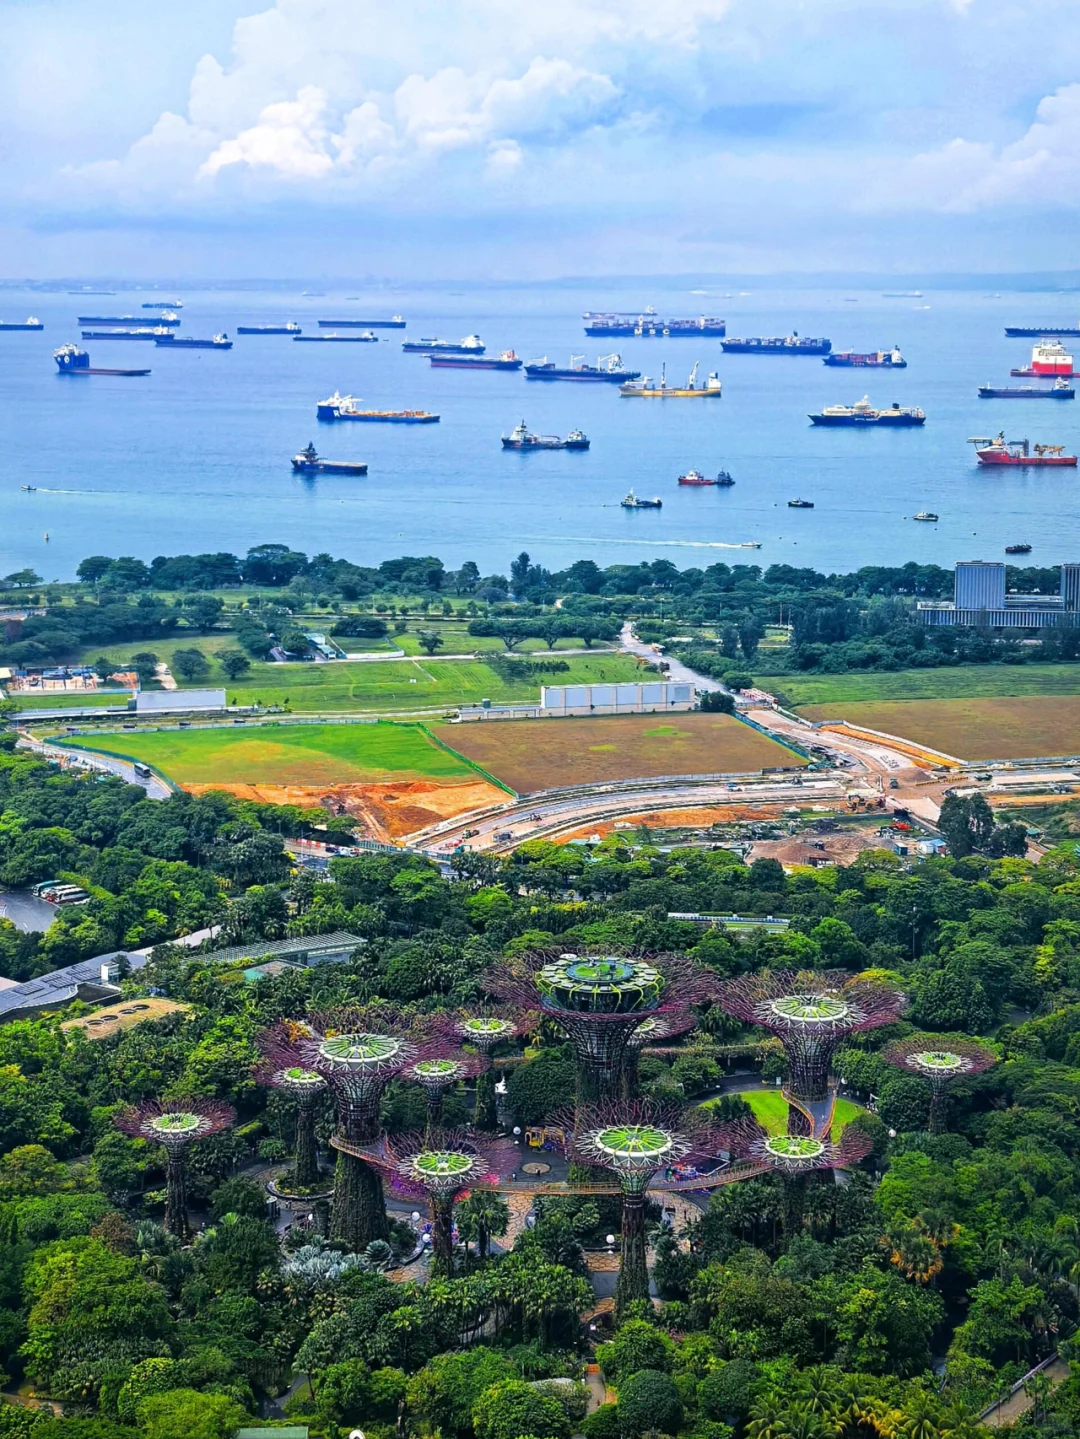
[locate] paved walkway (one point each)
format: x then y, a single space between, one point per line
1019 1403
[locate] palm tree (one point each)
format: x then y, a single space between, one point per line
481 1217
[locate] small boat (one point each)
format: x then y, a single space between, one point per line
695 477
307 462
29 488
1018 549
30 323
646 387
634 502
365 337
289 328
188 342
519 438
926 516
800 504
344 407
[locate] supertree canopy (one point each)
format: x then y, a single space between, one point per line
282 1067
655 1030
485 1031
940 1062
437 1074
810 1013
599 1000
175 1124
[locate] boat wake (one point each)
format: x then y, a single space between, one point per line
668 544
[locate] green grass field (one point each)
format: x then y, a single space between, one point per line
290 754
29 700
771 1111
963 682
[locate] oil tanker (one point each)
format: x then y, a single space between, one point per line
70 360
175 342
649 325
165 318
289 328
1059 390
30 323
1016 332
470 345
1000 451
793 344
365 337
608 369
142 332
394 323
506 361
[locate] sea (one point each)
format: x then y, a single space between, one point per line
196 457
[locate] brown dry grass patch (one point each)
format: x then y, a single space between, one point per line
1016 727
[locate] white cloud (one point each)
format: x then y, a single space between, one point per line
290 139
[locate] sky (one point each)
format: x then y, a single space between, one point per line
496 139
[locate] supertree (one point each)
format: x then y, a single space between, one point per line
358 1052
175 1124
939 1062
282 1067
438 1073
442 1164
650 1031
599 1000
484 1031
810 1013
633 1139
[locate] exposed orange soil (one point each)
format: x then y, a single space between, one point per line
388 812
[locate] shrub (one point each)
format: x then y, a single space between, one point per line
649 1401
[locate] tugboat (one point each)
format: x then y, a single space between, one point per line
633 502
395 323
927 516
289 328
711 389
30 323
1000 451
519 438
70 360
344 407
506 361
877 359
1047 360
1018 549
307 462
470 345
800 504
608 368
793 344
176 342
695 477
1059 390
864 414
365 337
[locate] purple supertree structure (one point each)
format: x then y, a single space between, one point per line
656 1030
175 1124
810 1013
441 1164
282 1067
939 1061
358 1052
438 1073
599 1000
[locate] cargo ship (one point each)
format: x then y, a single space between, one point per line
1000 451
307 462
1018 332
1059 390
864 413
793 344
1047 360
470 345
175 342
365 337
162 304
394 323
70 360
519 438
30 323
166 318
648 324
633 502
508 360
344 407
142 332
876 359
646 387
608 369
695 477
289 328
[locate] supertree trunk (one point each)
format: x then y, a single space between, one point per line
434 1108
808 1069
939 1103
176 1220
359 1213
630 1084
442 1235
794 1199
486 1112
306 1164
633 1282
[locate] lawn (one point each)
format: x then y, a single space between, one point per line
290 754
533 755
961 682
770 1109
974 729
71 699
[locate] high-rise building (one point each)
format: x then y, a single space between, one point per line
1070 587
979 585
980 600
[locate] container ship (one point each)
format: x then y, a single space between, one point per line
650 390
70 360
365 337
470 345
1049 359
30 323
519 438
648 324
344 407
864 413
289 328
1059 390
307 462
1017 332
165 318
696 478
608 369
141 332
506 361
793 344
1000 451
877 359
395 323
175 342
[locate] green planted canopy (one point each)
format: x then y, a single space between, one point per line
176 1122
794 1147
442 1164
360 1049
938 1061
633 1141
810 1008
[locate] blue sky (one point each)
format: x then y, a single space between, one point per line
476 138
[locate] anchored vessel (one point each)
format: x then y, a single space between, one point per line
864 413
883 359
926 515
1018 549
176 342
289 328
793 344
649 324
608 368
634 502
162 304
344 407
307 462
663 391
1024 331
453 361
141 332
695 477
70 360
470 345
394 323
1047 360
1059 390
165 318
1000 451
519 438
365 337
800 504
30 323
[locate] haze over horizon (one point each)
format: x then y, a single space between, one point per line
481 139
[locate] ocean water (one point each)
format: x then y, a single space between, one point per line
196 456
